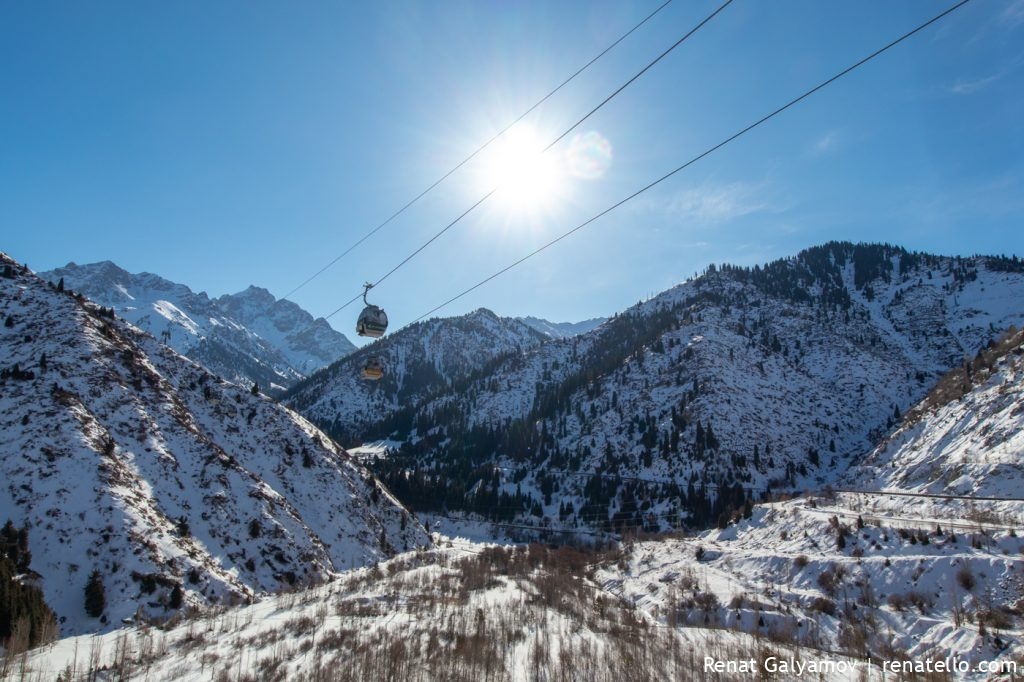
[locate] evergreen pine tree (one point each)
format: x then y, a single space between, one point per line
95 595
177 598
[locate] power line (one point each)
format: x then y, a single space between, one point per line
545 150
479 149
700 156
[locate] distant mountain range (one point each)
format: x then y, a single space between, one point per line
248 337
560 330
123 457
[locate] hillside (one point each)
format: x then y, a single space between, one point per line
125 458
775 590
965 438
420 360
732 384
889 576
509 614
245 337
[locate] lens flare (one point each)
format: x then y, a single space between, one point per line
589 155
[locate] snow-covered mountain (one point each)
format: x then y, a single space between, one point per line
740 380
126 458
245 337
558 330
420 360
854 576
892 576
965 438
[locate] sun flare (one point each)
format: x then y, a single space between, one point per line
527 179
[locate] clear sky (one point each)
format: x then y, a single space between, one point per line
223 144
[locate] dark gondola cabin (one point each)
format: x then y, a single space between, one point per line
373 321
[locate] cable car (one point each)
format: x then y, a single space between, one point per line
373 370
373 321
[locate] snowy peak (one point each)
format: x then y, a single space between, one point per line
180 488
560 330
250 337
252 295
420 359
308 344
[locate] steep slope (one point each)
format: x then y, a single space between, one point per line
246 337
738 381
559 330
420 360
307 344
808 571
892 575
128 459
965 438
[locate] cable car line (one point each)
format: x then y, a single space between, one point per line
558 139
700 156
479 149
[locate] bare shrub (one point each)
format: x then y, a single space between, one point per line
823 605
965 578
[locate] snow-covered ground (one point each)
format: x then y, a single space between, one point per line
463 611
644 610
377 449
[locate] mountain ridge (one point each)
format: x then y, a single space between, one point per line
248 337
742 379
557 330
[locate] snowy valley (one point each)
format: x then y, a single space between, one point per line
818 459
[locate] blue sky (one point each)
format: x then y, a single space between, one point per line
223 144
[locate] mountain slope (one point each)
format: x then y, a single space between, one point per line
965 438
419 360
246 337
126 458
308 344
898 577
732 383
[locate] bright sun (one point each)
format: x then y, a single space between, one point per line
527 180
